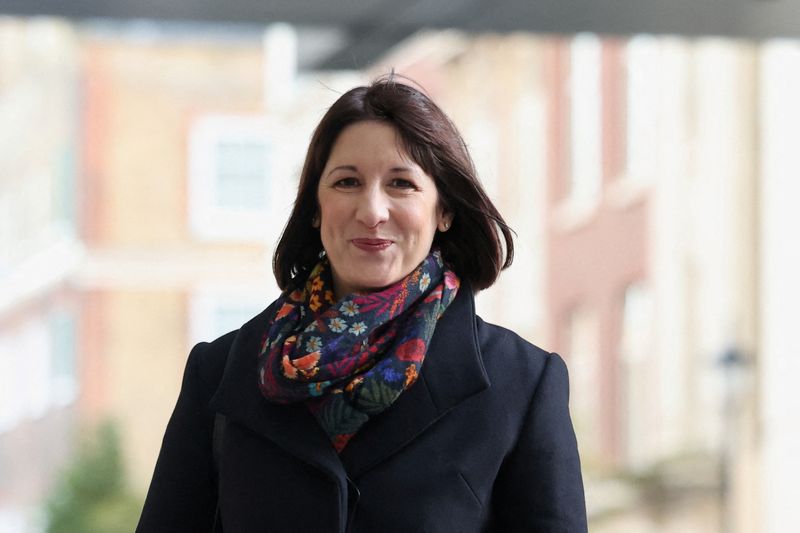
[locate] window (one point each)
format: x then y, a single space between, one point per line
639 408
585 160
240 175
63 357
636 320
37 367
642 59
230 166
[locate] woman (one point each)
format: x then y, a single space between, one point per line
370 397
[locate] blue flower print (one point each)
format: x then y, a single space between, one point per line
424 282
349 308
314 344
337 325
358 328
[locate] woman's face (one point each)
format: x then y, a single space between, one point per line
378 210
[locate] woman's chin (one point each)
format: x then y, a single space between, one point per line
365 276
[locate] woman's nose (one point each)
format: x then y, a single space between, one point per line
373 207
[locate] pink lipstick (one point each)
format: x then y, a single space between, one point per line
371 245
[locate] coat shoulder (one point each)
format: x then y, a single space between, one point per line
510 359
209 358
497 341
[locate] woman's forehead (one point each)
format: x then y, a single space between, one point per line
370 142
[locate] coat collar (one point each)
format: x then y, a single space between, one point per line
452 372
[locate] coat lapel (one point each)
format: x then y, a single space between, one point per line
452 372
292 427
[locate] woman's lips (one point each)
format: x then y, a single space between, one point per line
371 245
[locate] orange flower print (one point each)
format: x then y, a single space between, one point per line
288 369
314 302
329 297
411 375
316 284
306 366
284 310
354 383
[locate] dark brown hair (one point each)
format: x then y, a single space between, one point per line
478 244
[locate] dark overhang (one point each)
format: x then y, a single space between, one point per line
369 27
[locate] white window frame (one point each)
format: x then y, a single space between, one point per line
586 107
32 382
207 219
642 59
638 401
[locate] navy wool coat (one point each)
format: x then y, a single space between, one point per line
481 442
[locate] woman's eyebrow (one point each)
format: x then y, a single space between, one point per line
351 168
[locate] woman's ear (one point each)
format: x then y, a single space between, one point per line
445 221
315 222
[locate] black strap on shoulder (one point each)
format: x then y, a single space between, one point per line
216 453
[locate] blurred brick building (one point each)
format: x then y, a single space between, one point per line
143 223
628 168
139 216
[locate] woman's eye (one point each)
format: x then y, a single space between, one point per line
401 183
346 183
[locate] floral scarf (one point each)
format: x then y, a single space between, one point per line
351 359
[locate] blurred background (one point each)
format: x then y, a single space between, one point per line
646 154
